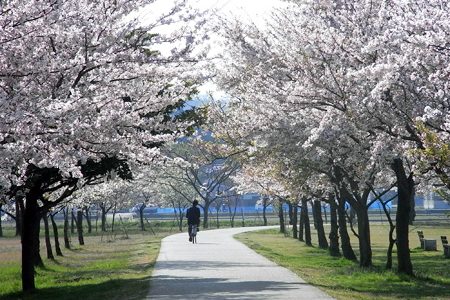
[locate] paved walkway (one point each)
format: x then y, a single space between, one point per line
220 267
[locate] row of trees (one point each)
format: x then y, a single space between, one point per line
87 93
342 101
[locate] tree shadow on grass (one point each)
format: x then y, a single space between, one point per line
432 273
111 289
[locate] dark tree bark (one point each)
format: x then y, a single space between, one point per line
96 221
217 216
104 212
294 221
66 228
79 222
405 185
180 218
31 220
72 222
1 228
206 214
48 244
178 214
306 222
325 213
334 236
318 224
281 217
114 217
301 226
19 215
56 235
290 212
87 215
264 215
346 246
390 247
141 216
365 249
232 212
38 262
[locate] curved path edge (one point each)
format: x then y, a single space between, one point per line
220 267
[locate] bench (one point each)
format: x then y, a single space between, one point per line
446 246
425 244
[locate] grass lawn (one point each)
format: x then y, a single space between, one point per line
117 269
344 279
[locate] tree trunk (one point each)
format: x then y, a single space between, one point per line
37 249
334 236
405 187
205 214
290 212
72 222
103 208
318 223
79 222
96 220
294 221
325 213
19 215
232 214
30 223
264 215
306 222
66 228
180 218
412 202
56 236
281 217
141 217
48 244
365 249
87 215
217 217
346 246
114 217
1 229
390 247
301 226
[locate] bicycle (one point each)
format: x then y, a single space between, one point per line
194 234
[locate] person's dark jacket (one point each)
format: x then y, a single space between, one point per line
193 215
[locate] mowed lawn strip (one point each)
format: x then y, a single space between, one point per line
119 269
344 279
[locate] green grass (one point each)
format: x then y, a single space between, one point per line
344 279
118 269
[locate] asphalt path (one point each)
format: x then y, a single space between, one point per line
220 267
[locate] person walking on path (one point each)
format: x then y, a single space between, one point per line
193 217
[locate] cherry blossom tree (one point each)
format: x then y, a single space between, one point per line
331 82
84 90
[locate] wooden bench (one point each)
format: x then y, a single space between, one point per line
446 246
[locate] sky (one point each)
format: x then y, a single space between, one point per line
251 9
255 11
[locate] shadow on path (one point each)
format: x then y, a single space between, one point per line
216 288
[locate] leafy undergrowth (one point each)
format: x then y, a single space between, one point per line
344 279
118 269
